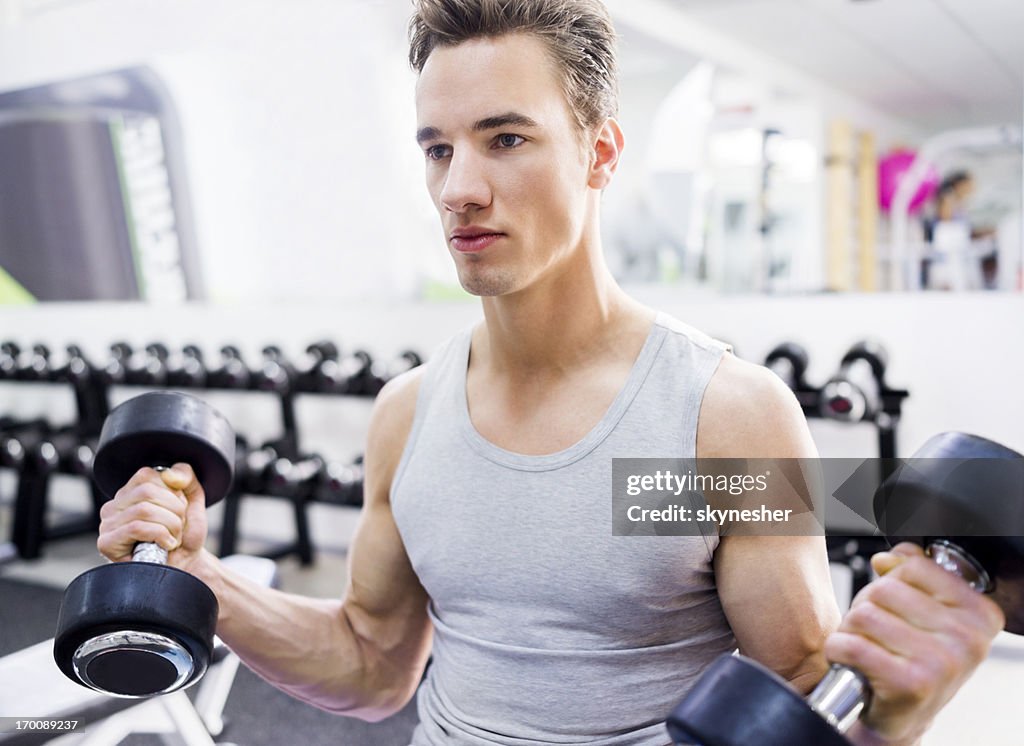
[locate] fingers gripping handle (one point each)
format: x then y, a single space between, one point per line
147 551
844 693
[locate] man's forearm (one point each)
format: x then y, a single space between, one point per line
303 646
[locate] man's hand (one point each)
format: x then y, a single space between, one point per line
917 633
166 507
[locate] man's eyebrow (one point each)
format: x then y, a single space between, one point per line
508 119
427 133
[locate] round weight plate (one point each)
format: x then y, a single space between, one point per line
969 491
162 428
136 597
738 702
134 664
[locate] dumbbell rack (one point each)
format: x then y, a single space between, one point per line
289 474
38 450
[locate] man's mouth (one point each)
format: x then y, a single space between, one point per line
471 240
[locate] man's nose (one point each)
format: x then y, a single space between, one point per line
466 185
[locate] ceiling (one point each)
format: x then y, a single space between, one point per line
933 63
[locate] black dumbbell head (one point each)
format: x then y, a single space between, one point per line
325 349
795 354
162 428
871 351
969 491
135 629
738 702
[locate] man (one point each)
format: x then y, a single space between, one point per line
484 536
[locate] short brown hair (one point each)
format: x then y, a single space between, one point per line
578 33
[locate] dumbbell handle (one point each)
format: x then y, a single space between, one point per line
148 551
843 694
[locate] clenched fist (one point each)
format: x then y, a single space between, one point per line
917 633
165 507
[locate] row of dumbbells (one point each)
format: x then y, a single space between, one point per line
264 471
33 446
321 369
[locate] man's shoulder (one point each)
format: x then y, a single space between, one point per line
397 400
690 333
394 411
749 412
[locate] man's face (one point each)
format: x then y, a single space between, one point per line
504 163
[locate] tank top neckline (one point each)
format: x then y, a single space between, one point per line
598 433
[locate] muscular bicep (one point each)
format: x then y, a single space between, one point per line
384 601
776 590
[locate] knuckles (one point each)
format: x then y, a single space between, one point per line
145 511
887 591
865 617
993 616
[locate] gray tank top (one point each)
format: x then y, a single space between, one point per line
548 629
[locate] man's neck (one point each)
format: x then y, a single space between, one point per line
559 324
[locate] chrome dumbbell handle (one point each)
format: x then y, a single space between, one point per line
147 551
843 694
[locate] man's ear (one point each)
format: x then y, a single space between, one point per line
606 147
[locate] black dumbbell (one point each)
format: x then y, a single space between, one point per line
46 453
788 361
276 373
853 393
153 369
308 369
116 369
12 451
142 628
186 368
76 368
958 481
253 466
293 478
341 483
232 372
72 453
38 367
10 361
15 435
380 374
345 375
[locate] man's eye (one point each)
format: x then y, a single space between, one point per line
437 152
510 141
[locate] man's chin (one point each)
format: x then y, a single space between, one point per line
486 287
